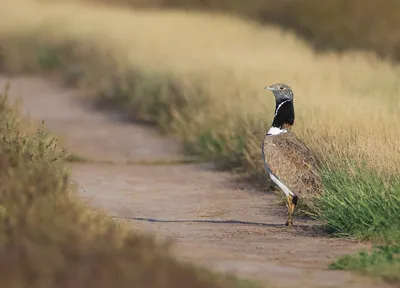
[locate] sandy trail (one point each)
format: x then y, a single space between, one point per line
212 219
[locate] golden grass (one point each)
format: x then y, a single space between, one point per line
328 24
346 105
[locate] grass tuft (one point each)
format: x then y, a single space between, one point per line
358 202
383 261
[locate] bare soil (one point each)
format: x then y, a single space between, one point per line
212 219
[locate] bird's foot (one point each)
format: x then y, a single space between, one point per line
289 223
292 201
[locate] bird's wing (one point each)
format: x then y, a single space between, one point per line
290 164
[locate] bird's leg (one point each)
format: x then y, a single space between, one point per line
292 201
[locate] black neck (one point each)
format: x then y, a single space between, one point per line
284 114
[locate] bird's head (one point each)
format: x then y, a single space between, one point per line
281 92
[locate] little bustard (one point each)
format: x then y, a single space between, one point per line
288 161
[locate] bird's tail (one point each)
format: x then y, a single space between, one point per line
273 177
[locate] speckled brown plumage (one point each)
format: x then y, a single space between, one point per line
295 165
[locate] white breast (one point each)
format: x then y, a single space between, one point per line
276 131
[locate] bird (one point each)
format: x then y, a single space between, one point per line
291 165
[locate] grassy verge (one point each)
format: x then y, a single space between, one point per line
383 261
358 202
201 77
48 238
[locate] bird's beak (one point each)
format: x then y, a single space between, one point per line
269 88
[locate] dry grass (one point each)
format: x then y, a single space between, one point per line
202 77
329 24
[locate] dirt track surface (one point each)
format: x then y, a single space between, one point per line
212 219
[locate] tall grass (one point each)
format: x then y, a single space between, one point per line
327 25
201 77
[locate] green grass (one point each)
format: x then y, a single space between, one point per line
361 204
357 202
383 262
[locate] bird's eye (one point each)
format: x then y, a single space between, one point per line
281 88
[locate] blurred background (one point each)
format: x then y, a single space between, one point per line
328 24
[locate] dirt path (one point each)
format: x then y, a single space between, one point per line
213 220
